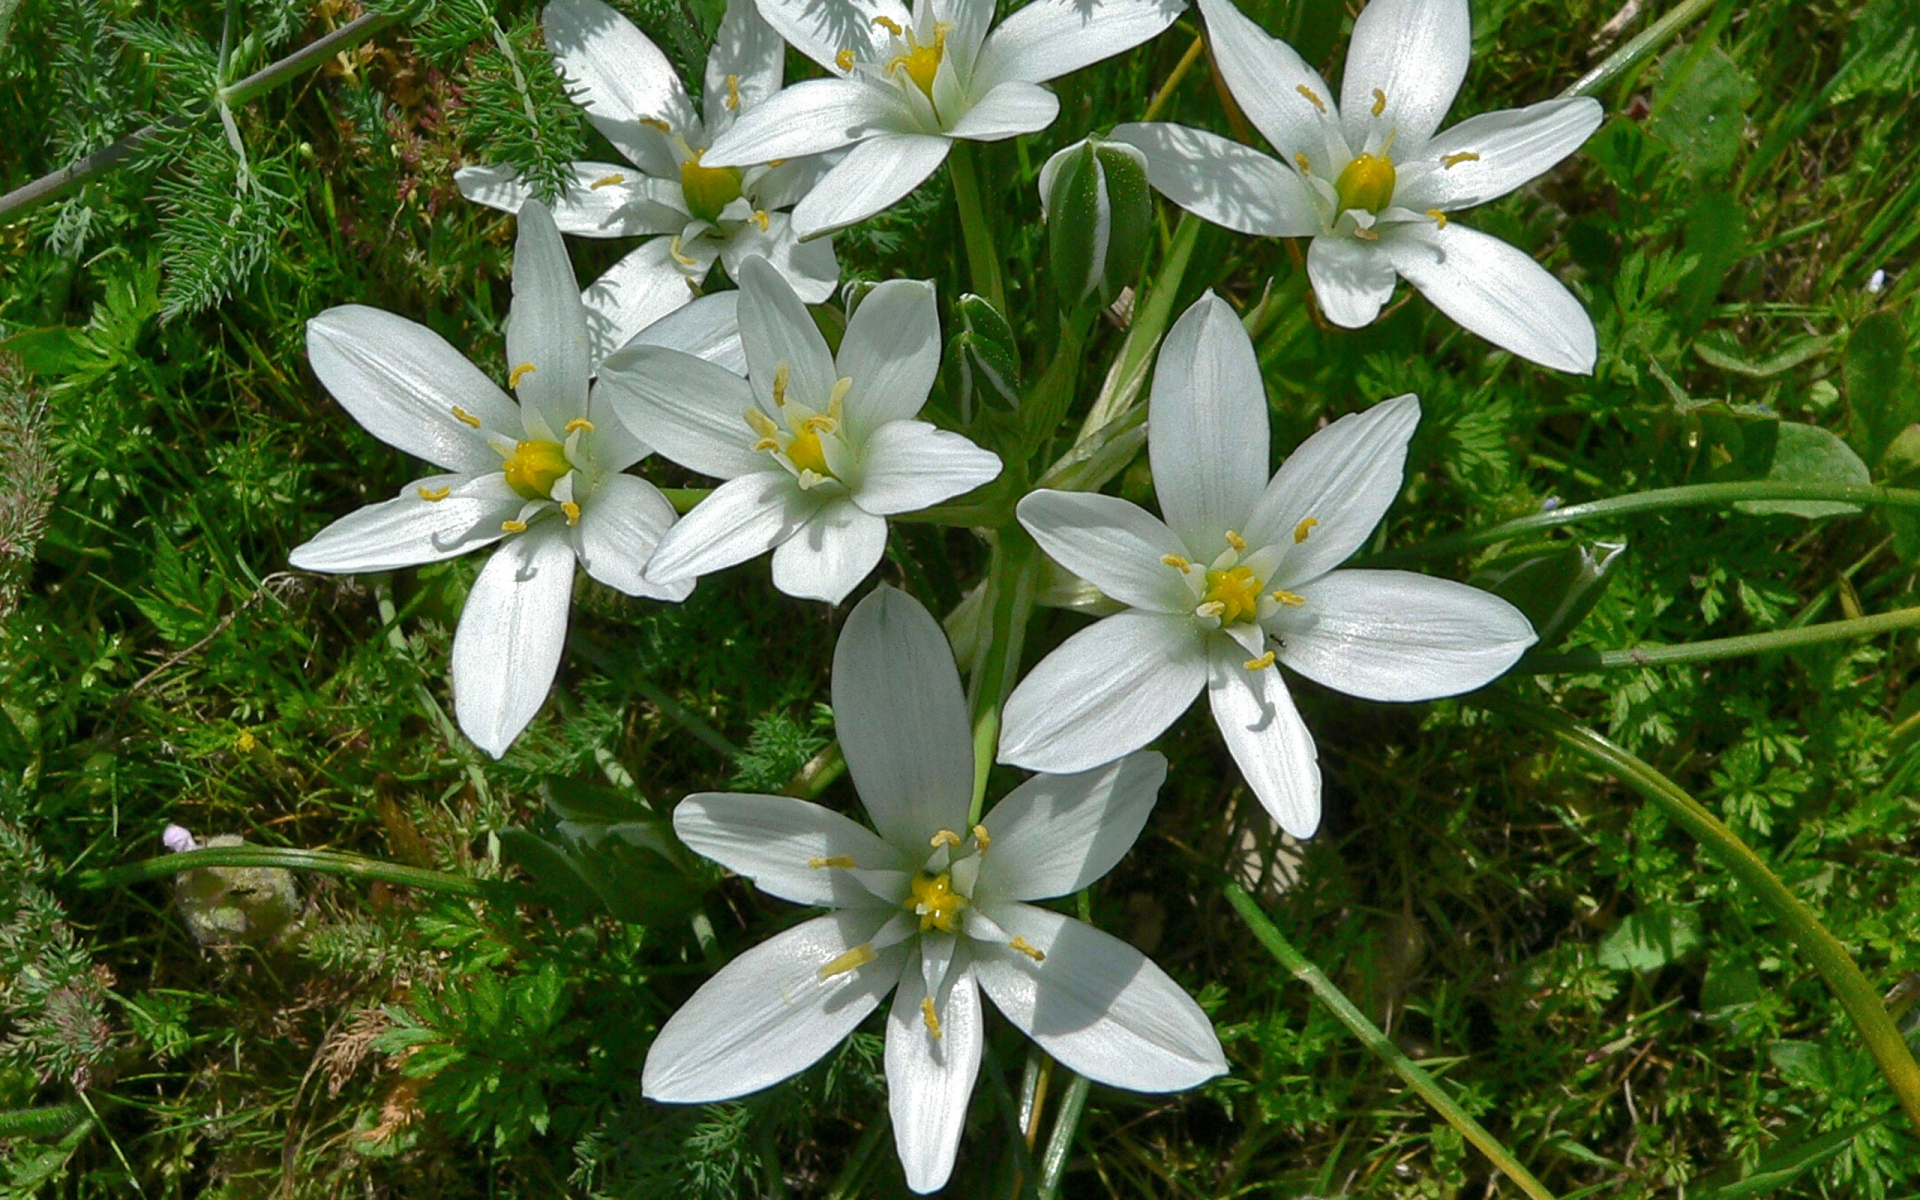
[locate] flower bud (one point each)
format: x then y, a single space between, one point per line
983 359
1099 214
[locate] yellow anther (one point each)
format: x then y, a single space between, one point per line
845 59
946 837
1453 160
1028 948
852 960
656 123
1238 543
513 526
1236 593
929 1016
1261 663
1290 599
843 861
572 510
733 93
935 902
1439 218
673 248
434 495
1365 235
612 180
579 425
464 417
1184 566
1300 160
763 425
518 373
1309 93
1211 608
1366 182
1304 528
534 467
760 218
1379 102
981 838
890 25
781 374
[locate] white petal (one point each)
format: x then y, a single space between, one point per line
787 184
967 22
620 76
1012 108
547 327
1513 145
1496 291
811 117
1098 1005
810 267
1352 279
1056 834
781 340
930 1079
1412 52
909 465
1277 89
1106 691
1268 740
768 1014
877 173
1231 185
1115 545
741 519
642 288
691 410
1046 39
743 68
601 199
771 840
830 553
821 31
891 352
410 530
1395 635
402 382
507 646
902 720
1344 477
619 526
1207 427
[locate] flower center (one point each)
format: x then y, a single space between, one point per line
708 189
801 445
1237 592
922 60
1367 182
534 467
935 902
805 452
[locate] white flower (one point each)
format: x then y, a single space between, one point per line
1370 182
931 907
1240 575
817 452
542 477
906 84
701 213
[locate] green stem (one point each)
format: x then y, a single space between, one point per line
1733 647
1129 372
328 862
1180 70
1630 55
1693 495
983 259
1369 1034
1066 1124
1829 957
1013 580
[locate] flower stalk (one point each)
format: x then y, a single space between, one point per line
293 858
983 258
1588 659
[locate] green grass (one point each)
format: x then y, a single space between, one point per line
1606 1000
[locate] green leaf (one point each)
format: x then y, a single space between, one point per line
1883 393
1731 980
1701 111
1717 348
1882 51
1556 590
1650 939
1785 1161
1810 454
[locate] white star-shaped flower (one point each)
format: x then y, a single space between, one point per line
906 84
1239 576
929 909
1372 183
543 477
700 212
818 451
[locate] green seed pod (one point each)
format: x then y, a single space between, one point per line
983 360
1099 213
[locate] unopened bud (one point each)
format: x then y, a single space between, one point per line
982 358
1099 213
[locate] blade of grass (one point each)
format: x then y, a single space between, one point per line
1733 647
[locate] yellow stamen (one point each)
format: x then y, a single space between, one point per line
1308 92
656 123
1305 527
890 25
760 218
435 495
608 181
981 838
1379 102
518 373
852 960
1235 591
1028 948
845 59
946 837
534 467
935 902
513 526
464 417
1300 160
1453 160
1290 599
733 93
572 510
1439 218
1184 566
579 425
1261 663
1211 608
781 374
1238 543
929 1016
1365 235
1366 182
673 248
843 861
